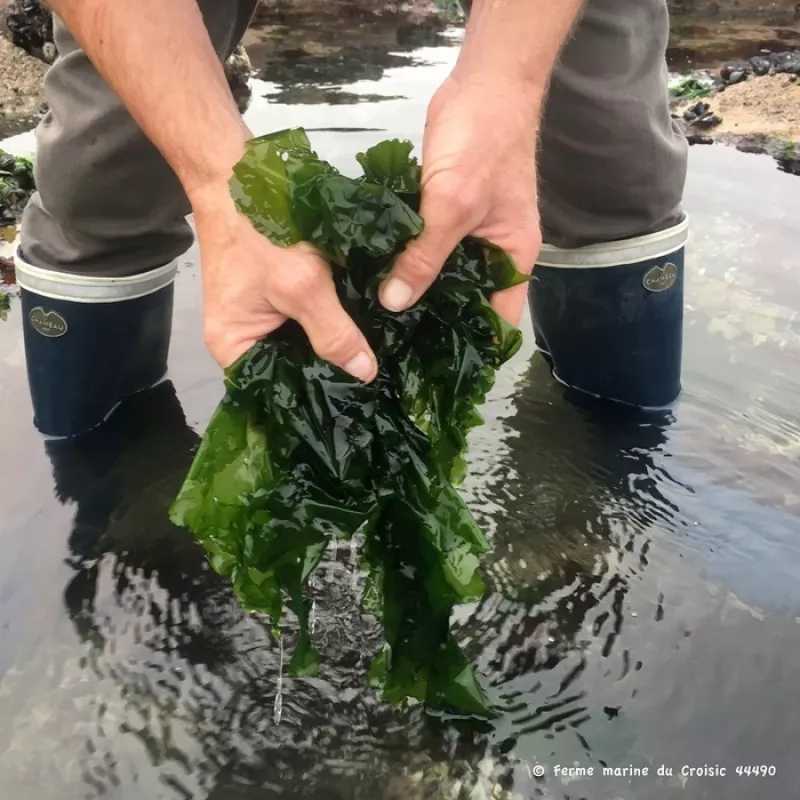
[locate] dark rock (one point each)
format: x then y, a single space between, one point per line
737 77
293 53
786 63
30 24
789 165
699 138
700 116
707 121
734 67
760 65
756 148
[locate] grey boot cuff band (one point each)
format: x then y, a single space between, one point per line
619 253
88 288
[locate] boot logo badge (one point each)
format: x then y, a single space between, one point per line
48 323
659 279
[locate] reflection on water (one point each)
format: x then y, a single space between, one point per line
337 55
169 672
644 590
707 43
316 95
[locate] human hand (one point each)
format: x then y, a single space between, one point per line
251 287
478 179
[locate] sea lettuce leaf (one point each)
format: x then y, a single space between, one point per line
299 453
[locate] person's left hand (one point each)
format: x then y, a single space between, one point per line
478 179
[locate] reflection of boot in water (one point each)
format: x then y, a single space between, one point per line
109 468
583 483
575 460
122 478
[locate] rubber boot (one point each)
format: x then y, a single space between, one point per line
91 342
609 317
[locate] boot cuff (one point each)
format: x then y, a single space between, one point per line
619 253
90 288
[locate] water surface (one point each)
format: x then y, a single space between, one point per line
644 603
707 42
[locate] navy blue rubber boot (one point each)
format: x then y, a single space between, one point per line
609 317
91 342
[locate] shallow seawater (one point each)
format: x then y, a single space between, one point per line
644 603
706 42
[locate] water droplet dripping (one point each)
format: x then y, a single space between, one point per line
354 563
278 707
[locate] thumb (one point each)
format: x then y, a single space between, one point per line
334 336
418 266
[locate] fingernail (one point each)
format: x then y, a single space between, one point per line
396 294
361 367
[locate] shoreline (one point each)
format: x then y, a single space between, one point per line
286 35
280 31
751 105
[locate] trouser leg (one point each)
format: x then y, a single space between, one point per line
607 292
612 164
98 242
107 202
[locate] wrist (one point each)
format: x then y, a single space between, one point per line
505 95
207 181
211 198
498 44
479 63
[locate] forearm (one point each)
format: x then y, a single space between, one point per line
517 41
159 60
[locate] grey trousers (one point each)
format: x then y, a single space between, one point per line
612 166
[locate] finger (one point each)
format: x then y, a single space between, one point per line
510 303
333 334
417 267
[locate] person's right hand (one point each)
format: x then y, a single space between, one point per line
251 287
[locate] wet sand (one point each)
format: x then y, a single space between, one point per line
768 105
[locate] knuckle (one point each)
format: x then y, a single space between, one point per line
302 282
457 198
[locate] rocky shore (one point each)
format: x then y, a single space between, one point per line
280 28
705 9
21 98
753 105
755 98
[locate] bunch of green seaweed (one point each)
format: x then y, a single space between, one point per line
299 454
16 186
